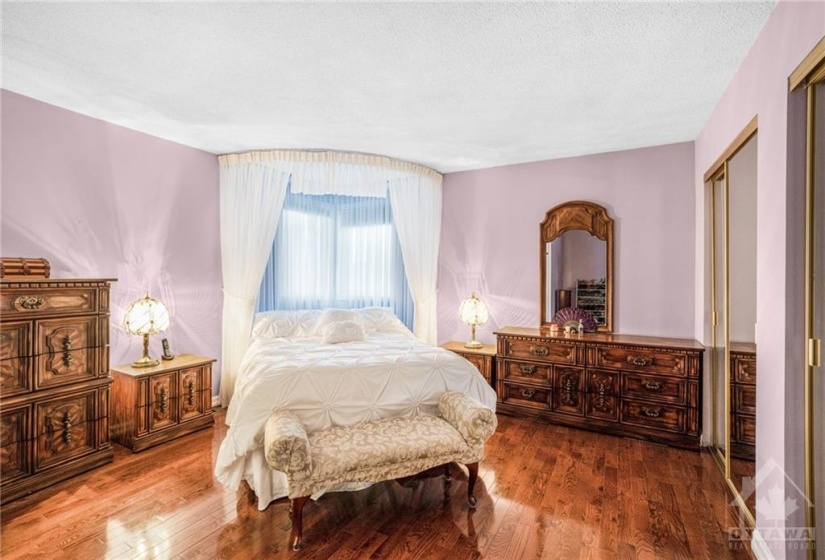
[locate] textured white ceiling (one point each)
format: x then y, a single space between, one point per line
453 86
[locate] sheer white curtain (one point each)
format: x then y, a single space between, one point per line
416 207
251 198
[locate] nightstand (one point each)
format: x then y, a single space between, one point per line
153 405
484 358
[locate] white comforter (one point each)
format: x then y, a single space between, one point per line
333 384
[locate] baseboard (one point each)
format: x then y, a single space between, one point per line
216 401
760 548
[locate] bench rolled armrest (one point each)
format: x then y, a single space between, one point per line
286 445
474 421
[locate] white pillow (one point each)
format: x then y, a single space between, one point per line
381 319
335 316
343 331
286 324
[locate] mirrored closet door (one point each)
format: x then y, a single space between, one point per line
807 84
732 196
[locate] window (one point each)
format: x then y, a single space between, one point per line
336 251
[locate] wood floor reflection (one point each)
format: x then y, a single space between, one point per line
544 492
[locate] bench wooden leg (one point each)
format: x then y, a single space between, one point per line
296 512
473 468
447 475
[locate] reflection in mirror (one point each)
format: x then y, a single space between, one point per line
576 265
576 272
742 317
718 353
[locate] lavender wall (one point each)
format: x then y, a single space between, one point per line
99 200
760 87
490 238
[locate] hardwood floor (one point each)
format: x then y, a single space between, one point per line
544 492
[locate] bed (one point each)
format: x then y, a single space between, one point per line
290 364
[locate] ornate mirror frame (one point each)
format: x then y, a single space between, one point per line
580 215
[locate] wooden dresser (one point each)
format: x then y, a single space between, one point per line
153 405
642 387
743 400
54 381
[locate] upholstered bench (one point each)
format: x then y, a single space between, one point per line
376 451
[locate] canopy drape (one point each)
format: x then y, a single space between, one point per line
253 187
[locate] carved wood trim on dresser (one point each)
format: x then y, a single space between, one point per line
54 381
642 387
153 405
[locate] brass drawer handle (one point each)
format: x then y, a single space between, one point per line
652 385
30 302
638 360
67 351
191 397
67 429
527 369
652 413
527 393
164 402
539 350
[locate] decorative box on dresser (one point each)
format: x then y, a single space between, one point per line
743 400
153 405
54 381
484 358
642 387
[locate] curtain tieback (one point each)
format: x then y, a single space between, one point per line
248 303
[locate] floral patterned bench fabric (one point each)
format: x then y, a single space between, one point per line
376 451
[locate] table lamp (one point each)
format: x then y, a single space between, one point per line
473 312
144 317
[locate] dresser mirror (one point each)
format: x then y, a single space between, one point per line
732 196
576 262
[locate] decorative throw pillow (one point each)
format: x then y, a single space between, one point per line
335 316
343 331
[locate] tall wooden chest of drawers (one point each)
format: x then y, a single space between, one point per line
54 381
156 404
642 387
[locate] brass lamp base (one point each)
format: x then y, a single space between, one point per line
473 343
146 360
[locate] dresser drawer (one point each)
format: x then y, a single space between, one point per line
644 360
163 397
568 391
543 350
15 460
191 400
526 396
744 398
655 388
522 372
744 429
658 416
744 369
34 302
602 395
66 428
66 351
15 365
